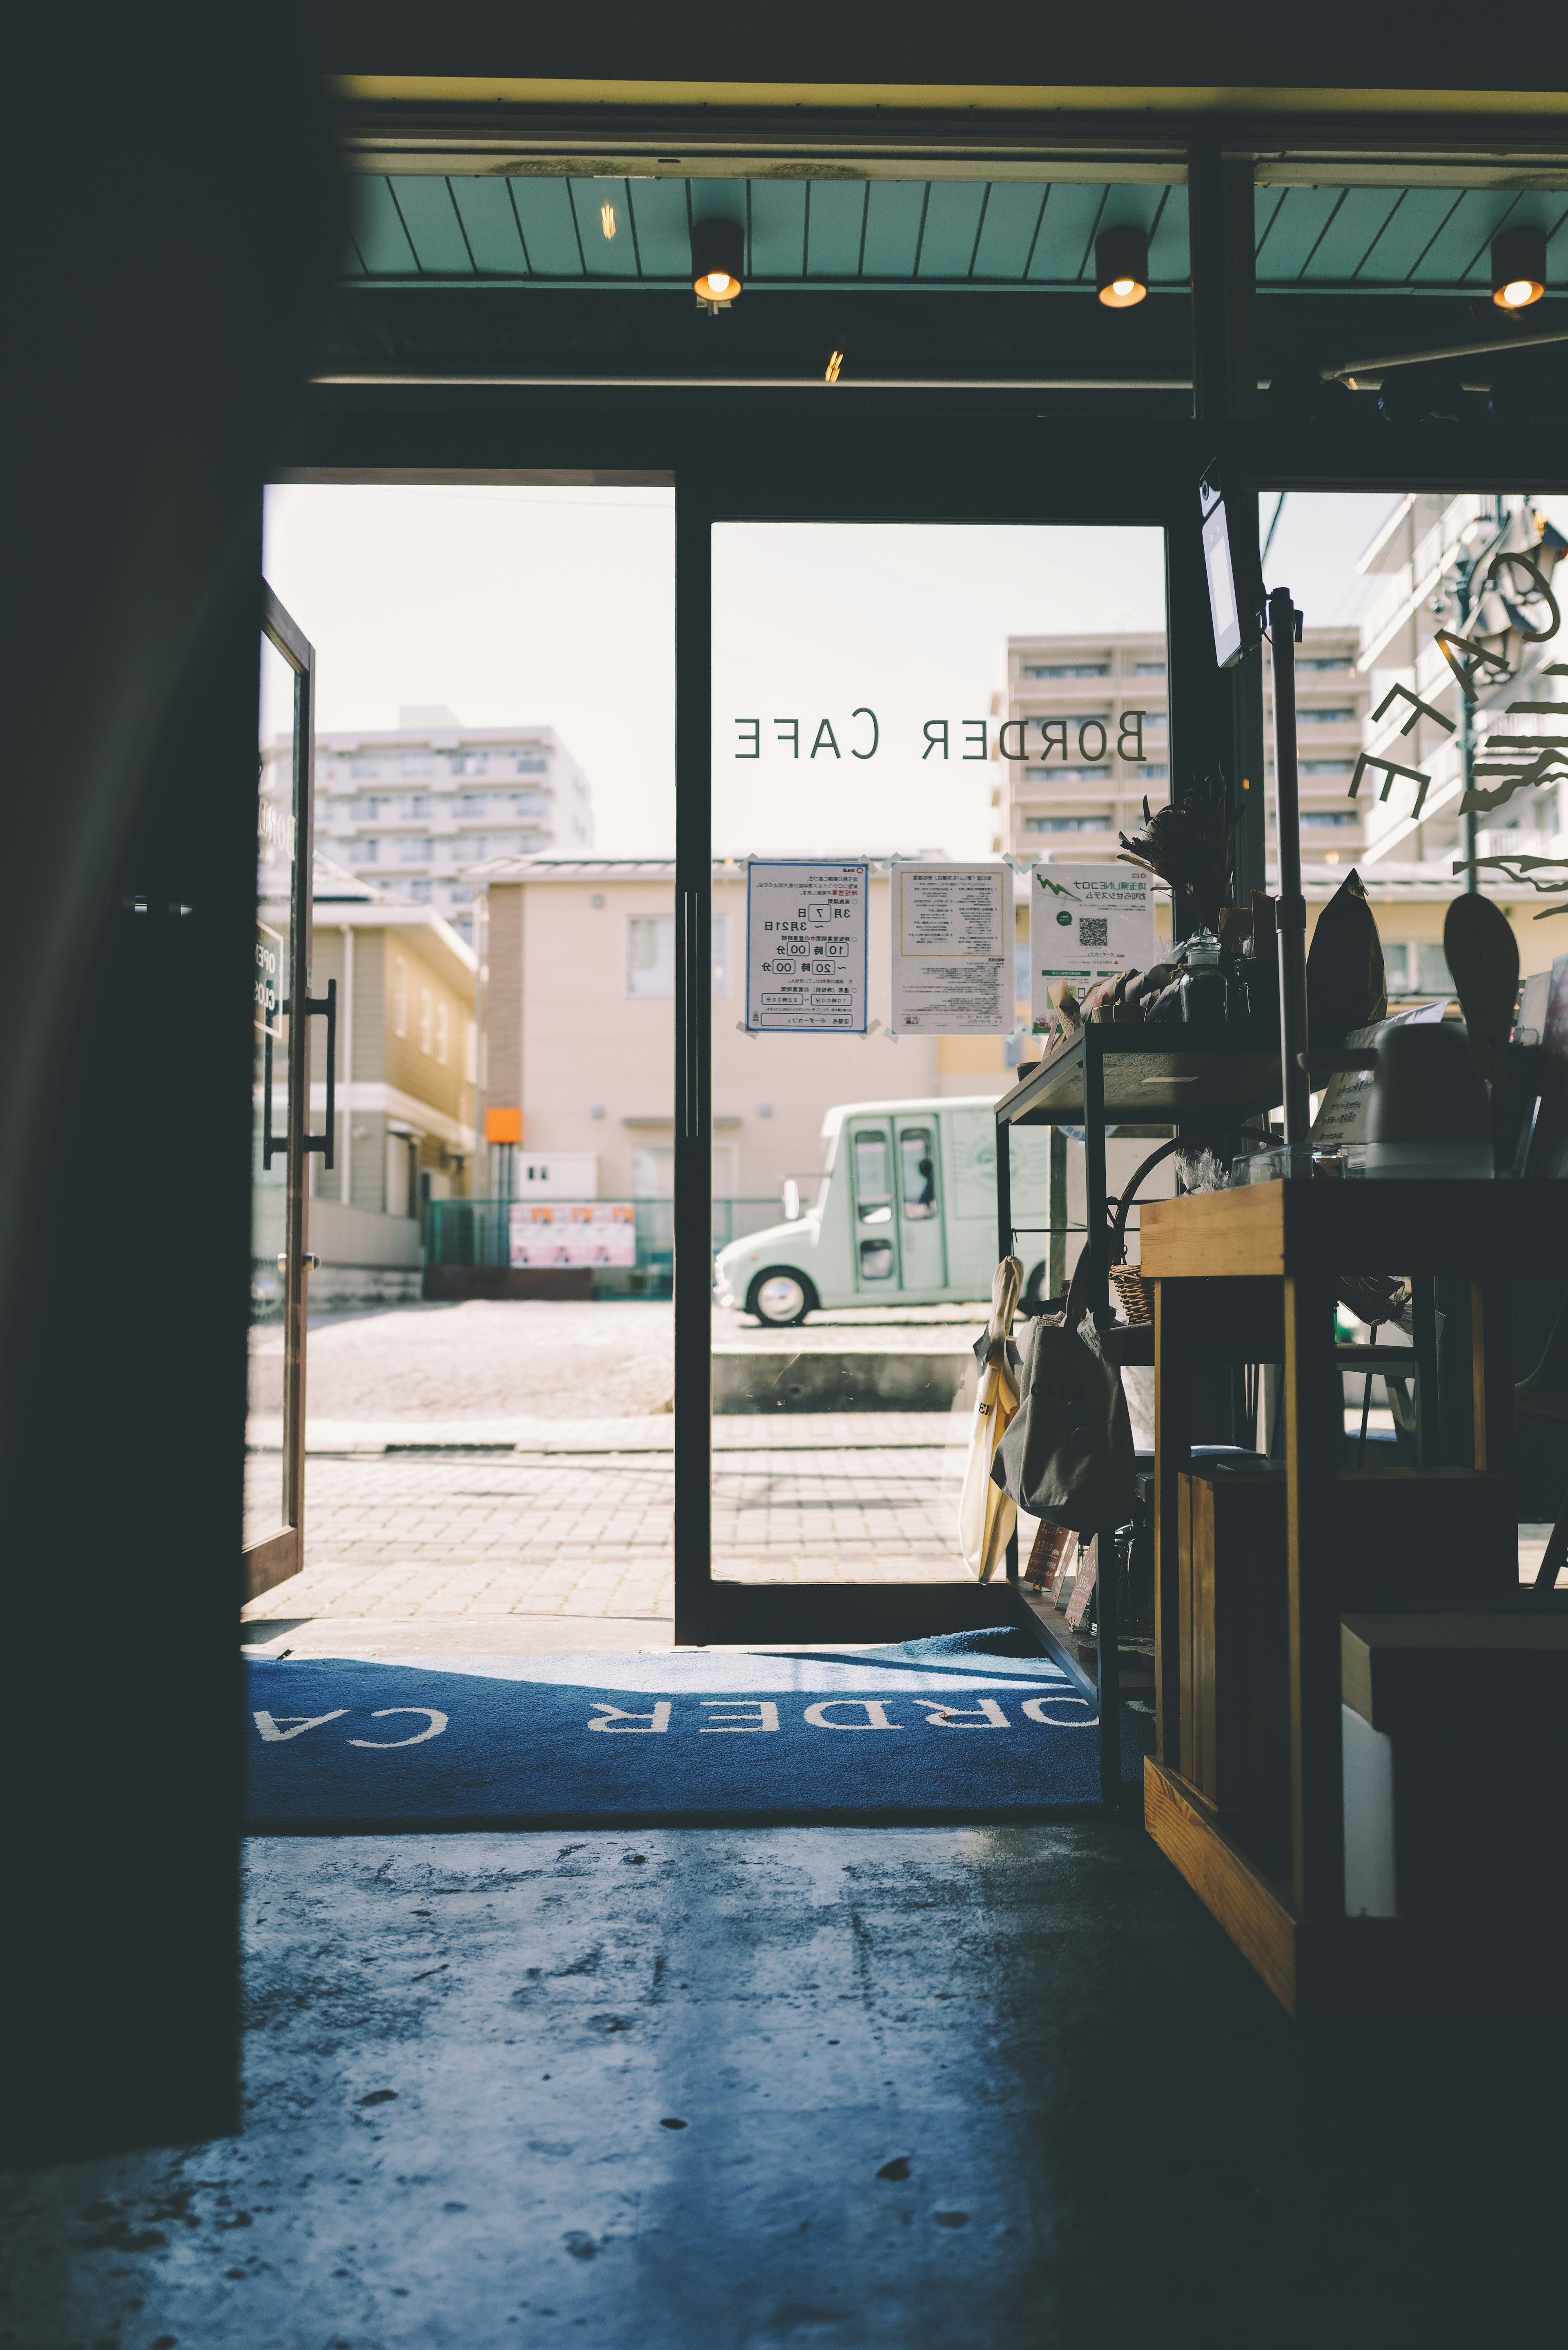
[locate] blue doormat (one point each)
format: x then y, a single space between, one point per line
951 1729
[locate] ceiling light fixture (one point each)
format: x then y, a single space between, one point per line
1518 267
607 219
718 255
830 373
1121 267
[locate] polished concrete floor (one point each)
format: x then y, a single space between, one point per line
705 2090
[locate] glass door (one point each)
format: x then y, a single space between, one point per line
902 722
280 1093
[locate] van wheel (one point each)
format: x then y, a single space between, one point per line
780 1296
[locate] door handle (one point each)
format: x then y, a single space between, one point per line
314 1006
312 1264
274 1144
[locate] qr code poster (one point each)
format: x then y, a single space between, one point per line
1086 923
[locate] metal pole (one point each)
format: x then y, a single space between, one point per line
1292 917
1462 578
345 1181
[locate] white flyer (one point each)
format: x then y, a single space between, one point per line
805 945
1086 923
952 949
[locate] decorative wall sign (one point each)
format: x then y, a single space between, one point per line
1418 708
1086 923
805 945
1391 768
952 950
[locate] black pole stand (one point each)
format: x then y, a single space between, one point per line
1284 623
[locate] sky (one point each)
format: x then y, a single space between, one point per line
556 608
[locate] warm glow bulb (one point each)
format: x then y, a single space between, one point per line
1518 294
1122 285
607 219
718 281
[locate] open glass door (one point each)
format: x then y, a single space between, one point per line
274 1428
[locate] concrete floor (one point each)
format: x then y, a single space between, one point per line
696 2090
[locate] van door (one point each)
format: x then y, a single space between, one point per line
921 1246
876 1234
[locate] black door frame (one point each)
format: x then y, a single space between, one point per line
818 486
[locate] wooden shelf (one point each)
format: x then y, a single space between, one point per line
1249 1613
1263 1230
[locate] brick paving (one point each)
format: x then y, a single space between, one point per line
588 1533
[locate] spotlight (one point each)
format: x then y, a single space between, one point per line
1121 267
718 253
1518 267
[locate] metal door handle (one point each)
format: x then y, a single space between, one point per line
313 1006
270 1143
311 1262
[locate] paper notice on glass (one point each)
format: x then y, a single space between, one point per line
1086 923
952 950
805 945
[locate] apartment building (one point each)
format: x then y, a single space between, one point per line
1087 737
1463 565
408 811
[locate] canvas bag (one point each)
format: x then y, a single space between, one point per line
1067 1454
986 1514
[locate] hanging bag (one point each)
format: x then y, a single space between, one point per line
986 1514
1067 1452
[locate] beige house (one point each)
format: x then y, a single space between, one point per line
406 1072
578 1014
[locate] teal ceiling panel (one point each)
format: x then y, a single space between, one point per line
834 225
894 211
953 227
663 229
1292 233
434 230
1066 238
379 231
1170 251
549 228
490 225
1350 235
1007 231
778 228
606 253
1408 231
1464 237
1557 252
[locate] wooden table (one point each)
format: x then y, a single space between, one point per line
1221 1262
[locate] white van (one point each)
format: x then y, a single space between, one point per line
905 1212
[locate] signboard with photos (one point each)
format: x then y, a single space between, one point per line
581 1232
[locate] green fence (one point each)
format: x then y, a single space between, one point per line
478 1232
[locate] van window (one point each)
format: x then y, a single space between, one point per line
918 1171
873 1180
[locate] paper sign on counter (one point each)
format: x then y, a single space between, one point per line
952 949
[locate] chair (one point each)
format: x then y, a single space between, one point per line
1544 1396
